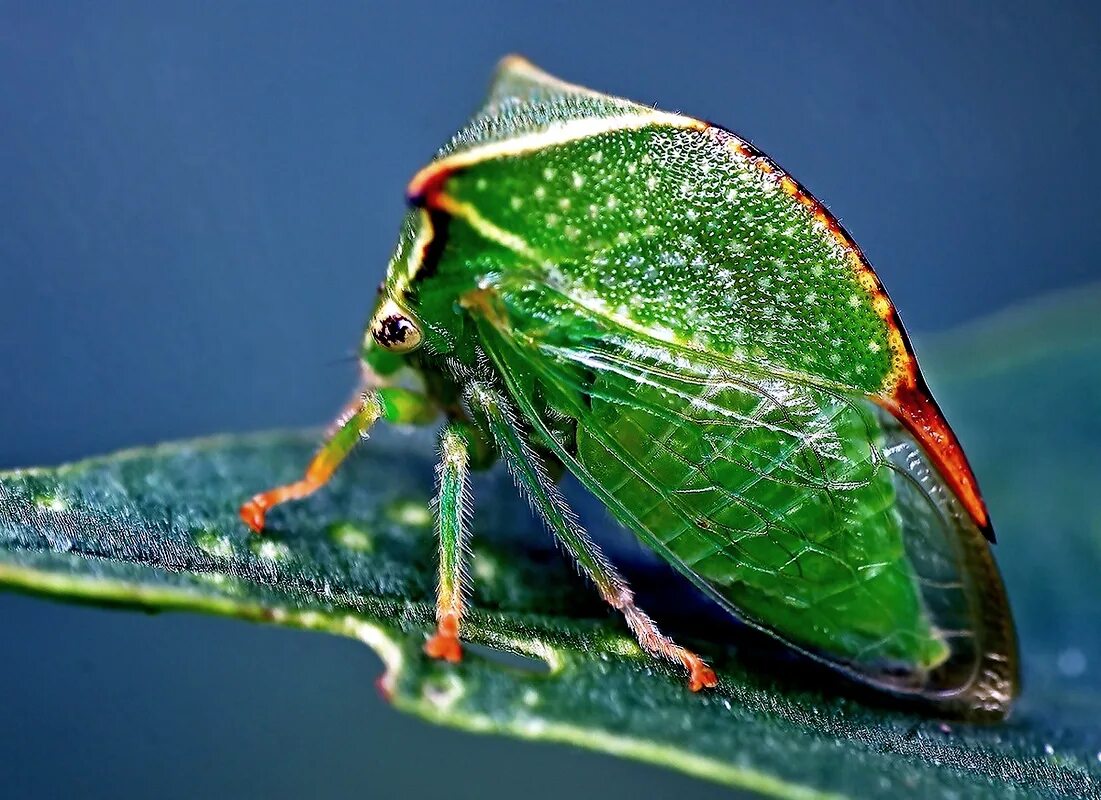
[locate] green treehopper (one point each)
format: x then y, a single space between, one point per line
647 301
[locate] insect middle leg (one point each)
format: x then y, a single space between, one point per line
452 509
531 478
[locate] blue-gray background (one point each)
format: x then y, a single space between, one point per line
197 200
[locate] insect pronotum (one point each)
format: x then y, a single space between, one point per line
649 302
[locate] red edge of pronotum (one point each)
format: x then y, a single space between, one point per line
912 403
907 395
427 185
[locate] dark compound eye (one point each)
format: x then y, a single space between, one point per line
397 333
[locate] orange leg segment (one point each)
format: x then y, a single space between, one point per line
444 643
351 427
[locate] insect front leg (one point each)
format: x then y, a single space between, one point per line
531 478
392 403
452 510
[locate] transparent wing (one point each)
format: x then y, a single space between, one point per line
806 511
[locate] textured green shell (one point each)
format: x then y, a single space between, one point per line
704 347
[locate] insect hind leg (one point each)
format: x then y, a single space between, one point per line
654 642
531 478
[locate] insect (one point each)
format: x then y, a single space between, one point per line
650 303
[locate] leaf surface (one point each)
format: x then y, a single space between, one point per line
157 529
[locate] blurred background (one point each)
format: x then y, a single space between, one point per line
196 203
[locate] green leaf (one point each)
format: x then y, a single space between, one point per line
157 529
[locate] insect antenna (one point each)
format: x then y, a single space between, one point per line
349 357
